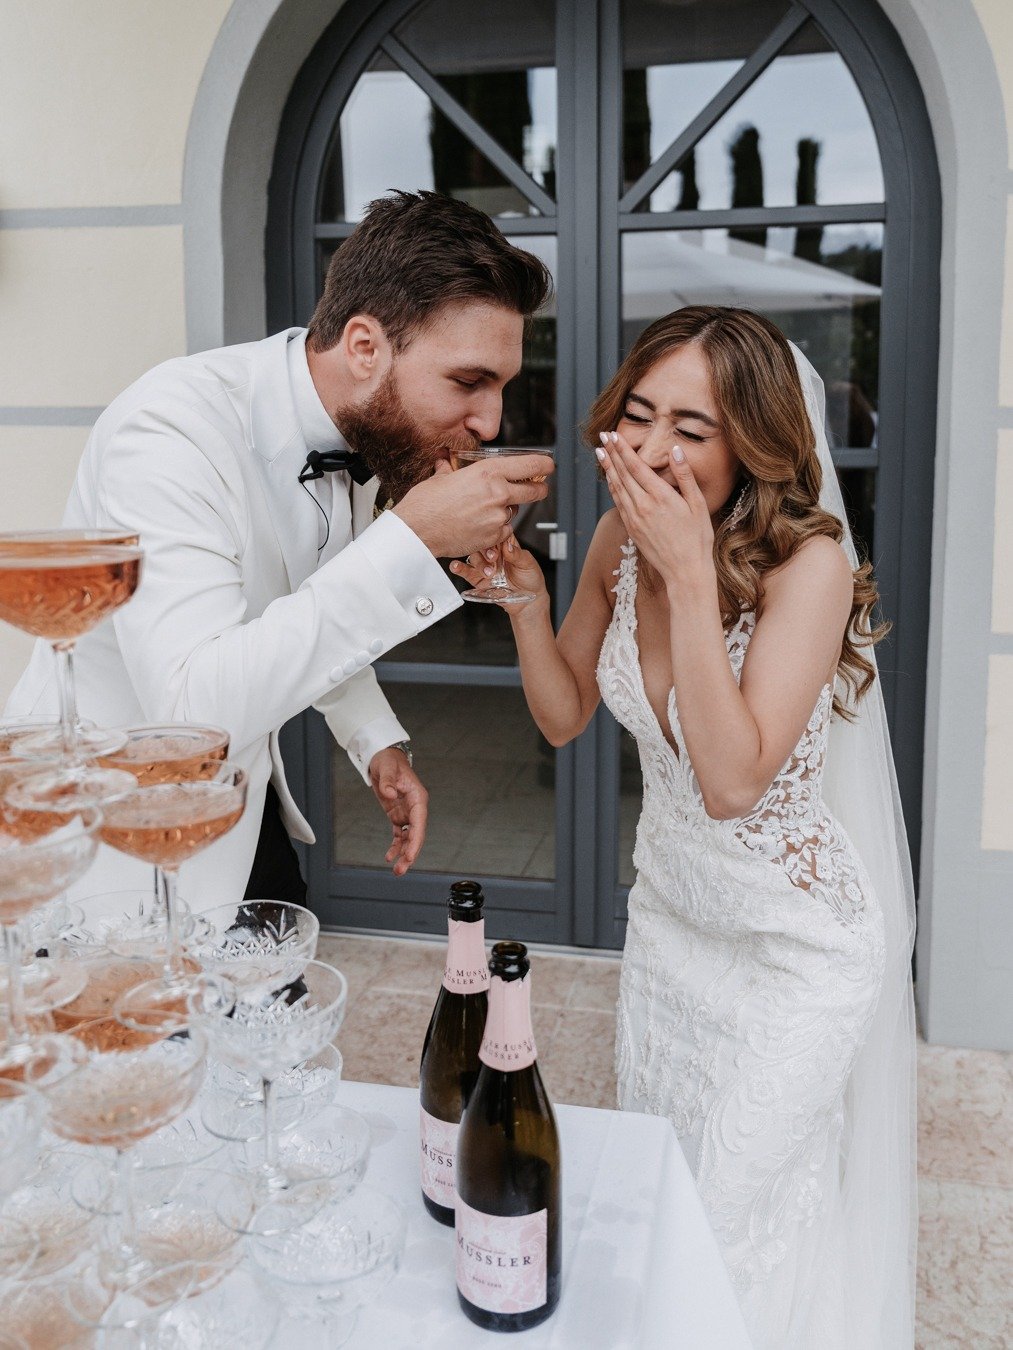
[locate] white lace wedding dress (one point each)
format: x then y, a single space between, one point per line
753 962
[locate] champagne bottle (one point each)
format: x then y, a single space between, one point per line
508 1167
450 1052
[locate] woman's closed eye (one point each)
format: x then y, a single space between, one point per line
690 436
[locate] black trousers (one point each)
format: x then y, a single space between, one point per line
275 874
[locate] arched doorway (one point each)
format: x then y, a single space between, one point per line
754 152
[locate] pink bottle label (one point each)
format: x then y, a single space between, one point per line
467 970
508 1042
501 1262
439 1140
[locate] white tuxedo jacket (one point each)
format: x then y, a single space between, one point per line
236 622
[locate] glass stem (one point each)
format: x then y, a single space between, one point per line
270 1136
124 1184
68 697
173 947
499 577
17 1019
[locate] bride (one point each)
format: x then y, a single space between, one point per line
765 1003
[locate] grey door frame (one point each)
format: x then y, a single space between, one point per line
589 222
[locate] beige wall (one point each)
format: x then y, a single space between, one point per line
95 104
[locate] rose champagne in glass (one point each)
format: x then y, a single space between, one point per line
175 752
115 1096
32 874
59 595
499 591
166 825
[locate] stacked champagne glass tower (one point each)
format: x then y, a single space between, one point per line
175 1169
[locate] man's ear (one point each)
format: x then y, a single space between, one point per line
366 349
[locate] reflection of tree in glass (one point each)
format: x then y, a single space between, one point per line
808 238
529 401
689 193
636 129
747 179
498 101
549 172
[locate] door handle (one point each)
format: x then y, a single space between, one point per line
558 539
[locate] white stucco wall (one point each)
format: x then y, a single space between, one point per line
137 143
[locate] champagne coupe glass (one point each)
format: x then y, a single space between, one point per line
329 1267
38 1316
499 591
258 942
108 922
108 977
166 824
174 752
232 1103
31 874
237 1312
44 1208
60 593
114 1096
267 1032
21 1110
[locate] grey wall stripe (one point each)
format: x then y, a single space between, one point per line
49 417
1006 417
69 217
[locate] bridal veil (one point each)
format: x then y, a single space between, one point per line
876 1241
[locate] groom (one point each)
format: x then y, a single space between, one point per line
271 582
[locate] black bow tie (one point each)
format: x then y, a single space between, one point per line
319 462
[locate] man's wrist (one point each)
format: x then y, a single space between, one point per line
406 750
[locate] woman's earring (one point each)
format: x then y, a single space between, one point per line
739 509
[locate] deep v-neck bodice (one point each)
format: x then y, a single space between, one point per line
621 674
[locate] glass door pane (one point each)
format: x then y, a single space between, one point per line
491 777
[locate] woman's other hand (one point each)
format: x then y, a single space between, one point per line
521 567
671 526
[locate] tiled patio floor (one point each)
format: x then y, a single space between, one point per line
965 1103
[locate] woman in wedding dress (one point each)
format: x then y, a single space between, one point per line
765 1004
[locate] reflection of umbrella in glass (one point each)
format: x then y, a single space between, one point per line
663 271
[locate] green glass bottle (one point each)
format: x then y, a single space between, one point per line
508 1167
450 1064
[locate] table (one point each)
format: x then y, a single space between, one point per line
641 1269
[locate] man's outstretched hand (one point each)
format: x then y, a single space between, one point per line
405 802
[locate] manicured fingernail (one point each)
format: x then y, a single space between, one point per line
454 567
600 453
490 553
510 545
487 571
615 438
603 436
677 454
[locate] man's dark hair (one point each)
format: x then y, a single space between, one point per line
411 254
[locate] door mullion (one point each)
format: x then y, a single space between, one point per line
610 112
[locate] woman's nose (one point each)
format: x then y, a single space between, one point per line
654 448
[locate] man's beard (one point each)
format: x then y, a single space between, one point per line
392 444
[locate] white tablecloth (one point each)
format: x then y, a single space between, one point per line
641 1270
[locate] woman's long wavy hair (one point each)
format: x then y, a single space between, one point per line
766 426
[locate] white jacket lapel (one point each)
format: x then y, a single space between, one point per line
280 453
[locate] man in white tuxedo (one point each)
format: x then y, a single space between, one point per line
252 473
